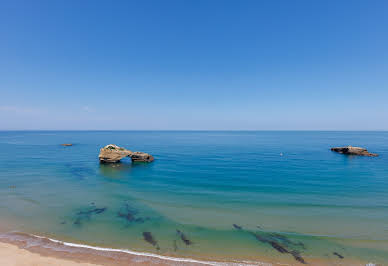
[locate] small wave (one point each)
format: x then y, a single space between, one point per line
32 240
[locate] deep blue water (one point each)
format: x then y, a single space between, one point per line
270 183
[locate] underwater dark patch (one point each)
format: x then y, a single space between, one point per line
130 214
92 211
278 246
338 255
297 256
285 240
80 172
237 227
147 236
183 237
85 215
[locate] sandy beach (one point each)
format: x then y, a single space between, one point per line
17 254
25 253
11 255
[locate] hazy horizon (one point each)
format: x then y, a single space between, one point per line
194 65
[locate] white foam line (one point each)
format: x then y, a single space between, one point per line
150 254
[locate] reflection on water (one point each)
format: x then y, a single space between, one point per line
121 169
116 170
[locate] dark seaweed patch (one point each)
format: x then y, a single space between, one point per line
300 244
286 241
78 221
280 247
147 236
184 238
237 227
297 256
92 211
80 172
129 214
338 255
81 216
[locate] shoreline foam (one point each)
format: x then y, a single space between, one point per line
83 253
36 243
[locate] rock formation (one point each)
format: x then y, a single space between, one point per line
67 144
112 154
141 157
349 150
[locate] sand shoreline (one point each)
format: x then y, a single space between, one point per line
26 250
79 253
12 255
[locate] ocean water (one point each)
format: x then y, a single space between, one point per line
208 195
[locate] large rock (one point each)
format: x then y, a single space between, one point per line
112 154
349 150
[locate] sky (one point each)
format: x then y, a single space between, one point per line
194 65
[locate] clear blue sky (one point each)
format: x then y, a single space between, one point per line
254 65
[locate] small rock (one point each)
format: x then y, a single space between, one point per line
349 150
141 157
67 144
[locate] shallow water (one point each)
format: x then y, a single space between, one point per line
231 195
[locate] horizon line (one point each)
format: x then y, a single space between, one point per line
203 130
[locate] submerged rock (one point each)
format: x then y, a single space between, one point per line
279 246
112 154
349 150
338 255
297 256
130 215
147 236
285 240
237 227
183 237
86 214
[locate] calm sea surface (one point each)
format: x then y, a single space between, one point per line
207 194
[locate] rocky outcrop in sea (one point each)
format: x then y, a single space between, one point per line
349 150
112 154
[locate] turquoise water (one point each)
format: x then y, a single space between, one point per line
286 188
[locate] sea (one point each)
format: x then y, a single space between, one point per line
240 197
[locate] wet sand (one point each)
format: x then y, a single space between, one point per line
21 253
